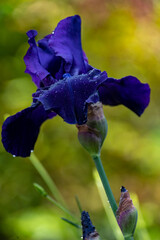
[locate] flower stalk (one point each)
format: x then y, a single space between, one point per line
105 182
91 136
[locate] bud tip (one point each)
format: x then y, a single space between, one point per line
123 189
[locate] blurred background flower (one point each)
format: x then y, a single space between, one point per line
121 37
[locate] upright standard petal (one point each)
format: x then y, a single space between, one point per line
53 64
69 97
20 131
128 91
66 43
32 61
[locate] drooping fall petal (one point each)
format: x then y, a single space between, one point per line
20 131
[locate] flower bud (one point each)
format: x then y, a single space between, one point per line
92 134
89 232
40 189
126 214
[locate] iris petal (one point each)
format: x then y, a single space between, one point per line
32 61
48 59
66 43
68 97
20 131
128 91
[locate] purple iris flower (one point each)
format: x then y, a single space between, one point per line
66 83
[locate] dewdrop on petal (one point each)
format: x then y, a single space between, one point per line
126 214
89 231
92 134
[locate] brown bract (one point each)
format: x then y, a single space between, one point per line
93 236
95 112
125 204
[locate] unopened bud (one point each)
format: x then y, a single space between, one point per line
89 231
126 214
40 189
92 134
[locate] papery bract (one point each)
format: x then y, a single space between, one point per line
92 134
126 214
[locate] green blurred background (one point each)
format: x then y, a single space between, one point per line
123 38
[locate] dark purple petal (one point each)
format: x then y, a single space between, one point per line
87 226
68 97
20 131
83 88
94 98
66 43
47 81
128 91
32 61
53 64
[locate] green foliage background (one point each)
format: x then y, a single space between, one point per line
121 37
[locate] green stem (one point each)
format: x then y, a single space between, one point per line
59 206
105 183
41 190
78 204
129 238
72 223
47 179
